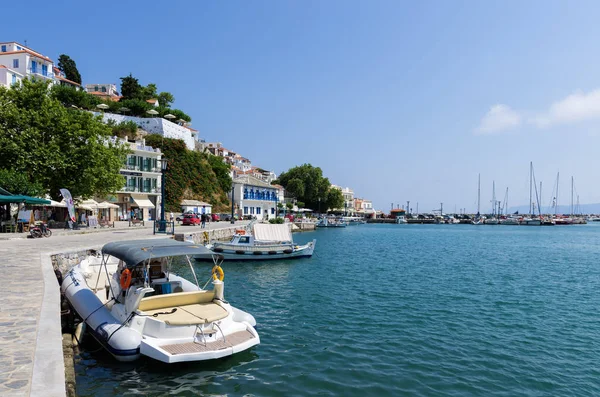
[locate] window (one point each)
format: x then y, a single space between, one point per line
3 48
245 193
272 211
140 184
14 79
19 48
244 240
96 89
44 70
33 67
245 210
251 210
154 184
15 63
103 89
257 210
131 184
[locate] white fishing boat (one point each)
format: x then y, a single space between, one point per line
491 221
331 222
134 305
266 241
401 220
528 221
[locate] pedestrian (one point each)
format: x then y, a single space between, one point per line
172 216
203 221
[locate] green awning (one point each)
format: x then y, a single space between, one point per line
23 199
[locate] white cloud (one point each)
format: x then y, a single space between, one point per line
498 118
578 106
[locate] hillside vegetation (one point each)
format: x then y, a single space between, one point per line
192 175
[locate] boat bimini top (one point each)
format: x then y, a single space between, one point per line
134 252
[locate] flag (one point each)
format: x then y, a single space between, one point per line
69 200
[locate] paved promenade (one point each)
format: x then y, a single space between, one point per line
31 358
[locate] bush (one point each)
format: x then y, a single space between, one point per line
276 221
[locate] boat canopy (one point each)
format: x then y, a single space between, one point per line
272 232
134 252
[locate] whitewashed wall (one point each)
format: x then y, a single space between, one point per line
156 125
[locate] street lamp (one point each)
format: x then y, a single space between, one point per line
163 168
232 202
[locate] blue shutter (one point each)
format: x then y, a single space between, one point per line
33 67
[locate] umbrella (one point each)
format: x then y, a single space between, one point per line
152 112
106 204
102 106
124 110
170 116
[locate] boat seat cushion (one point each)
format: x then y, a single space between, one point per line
208 311
199 313
169 301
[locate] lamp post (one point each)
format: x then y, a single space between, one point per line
345 208
232 202
163 168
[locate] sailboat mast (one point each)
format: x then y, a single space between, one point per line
530 189
571 196
494 198
506 202
478 193
556 204
541 197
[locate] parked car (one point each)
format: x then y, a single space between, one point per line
190 219
215 217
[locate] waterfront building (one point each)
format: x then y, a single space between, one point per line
103 91
196 206
254 197
348 195
157 125
142 173
21 62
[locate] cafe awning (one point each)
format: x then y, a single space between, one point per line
18 198
141 200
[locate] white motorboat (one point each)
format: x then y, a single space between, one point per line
491 221
331 222
509 221
401 220
527 221
267 241
134 305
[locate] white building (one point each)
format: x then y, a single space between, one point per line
142 191
23 62
103 91
253 197
196 206
348 194
157 125
9 77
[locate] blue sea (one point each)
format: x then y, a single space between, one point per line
391 310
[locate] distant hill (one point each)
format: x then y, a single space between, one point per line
562 209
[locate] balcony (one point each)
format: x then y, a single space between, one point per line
131 189
130 167
37 72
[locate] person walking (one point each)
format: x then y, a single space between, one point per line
172 217
203 218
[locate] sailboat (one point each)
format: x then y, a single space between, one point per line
494 219
529 220
478 220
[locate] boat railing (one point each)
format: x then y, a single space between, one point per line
254 248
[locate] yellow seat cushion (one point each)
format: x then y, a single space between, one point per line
208 311
179 317
176 299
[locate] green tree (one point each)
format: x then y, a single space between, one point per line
18 183
130 88
149 92
55 146
309 186
166 99
335 199
192 175
69 68
69 97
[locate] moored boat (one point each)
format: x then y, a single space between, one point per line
267 241
134 305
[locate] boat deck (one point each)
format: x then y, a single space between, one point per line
199 347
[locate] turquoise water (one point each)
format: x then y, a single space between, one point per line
388 310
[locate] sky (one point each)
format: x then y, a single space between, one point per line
397 100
